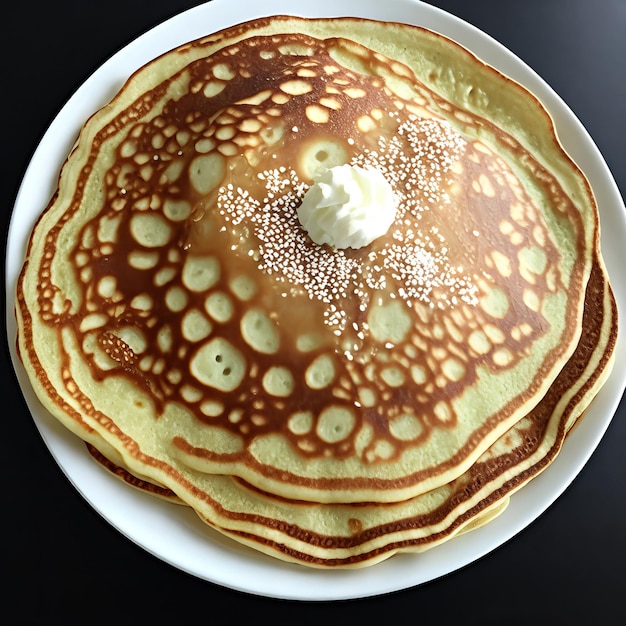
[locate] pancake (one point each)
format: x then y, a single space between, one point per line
118 470
175 313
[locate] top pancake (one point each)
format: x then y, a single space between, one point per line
171 295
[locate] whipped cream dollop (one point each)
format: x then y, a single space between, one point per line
348 206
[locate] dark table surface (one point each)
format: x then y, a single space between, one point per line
63 563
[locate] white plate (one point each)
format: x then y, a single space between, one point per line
147 521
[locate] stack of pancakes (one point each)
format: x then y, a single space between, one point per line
325 406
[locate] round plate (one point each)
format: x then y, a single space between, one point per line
175 534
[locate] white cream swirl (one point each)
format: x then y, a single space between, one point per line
348 206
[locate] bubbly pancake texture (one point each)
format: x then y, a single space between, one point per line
357 535
174 313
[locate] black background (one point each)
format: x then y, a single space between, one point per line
62 563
